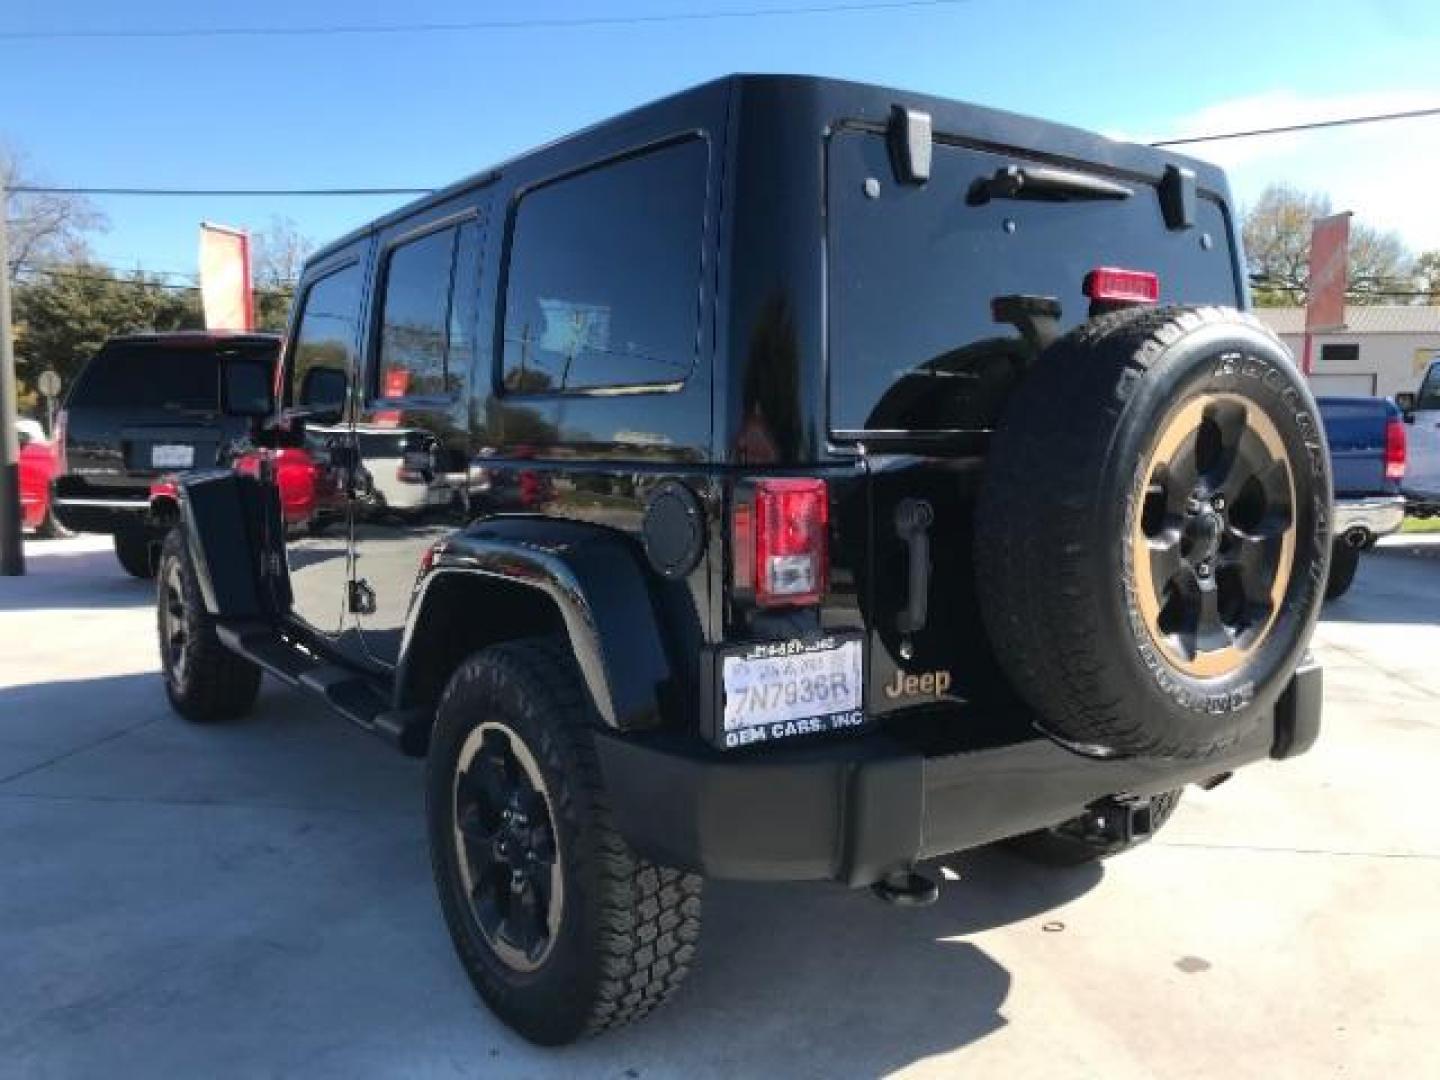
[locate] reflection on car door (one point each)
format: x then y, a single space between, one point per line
411 431
320 364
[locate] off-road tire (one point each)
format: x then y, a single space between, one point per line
1060 502
1344 561
1066 845
628 929
136 550
209 683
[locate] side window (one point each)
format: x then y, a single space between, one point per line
325 337
1429 396
415 322
603 285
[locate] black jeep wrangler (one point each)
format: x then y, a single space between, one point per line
882 477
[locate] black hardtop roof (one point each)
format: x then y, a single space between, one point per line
863 102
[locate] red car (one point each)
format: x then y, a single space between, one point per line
37 468
308 495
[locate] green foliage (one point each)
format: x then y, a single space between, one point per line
63 315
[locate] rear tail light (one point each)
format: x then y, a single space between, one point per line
1394 449
781 547
57 437
1111 285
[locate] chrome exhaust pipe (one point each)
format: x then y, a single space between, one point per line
1356 537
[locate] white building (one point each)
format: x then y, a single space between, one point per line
1382 350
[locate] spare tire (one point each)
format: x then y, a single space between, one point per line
1153 531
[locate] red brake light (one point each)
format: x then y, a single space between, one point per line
1111 285
781 542
1394 449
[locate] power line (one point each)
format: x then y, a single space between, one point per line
473 25
38 189
75 275
1314 125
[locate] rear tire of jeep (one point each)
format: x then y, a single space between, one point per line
1152 532
1344 561
1066 845
204 680
562 928
136 550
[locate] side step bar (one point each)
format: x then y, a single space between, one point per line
348 693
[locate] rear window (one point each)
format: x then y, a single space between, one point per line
157 377
913 271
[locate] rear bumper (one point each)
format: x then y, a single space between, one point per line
1378 515
855 811
101 515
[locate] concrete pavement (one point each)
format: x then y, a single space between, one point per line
254 899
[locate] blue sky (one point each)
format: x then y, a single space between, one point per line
425 109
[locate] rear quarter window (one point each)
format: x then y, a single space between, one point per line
603 275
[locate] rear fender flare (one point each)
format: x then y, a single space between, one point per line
596 584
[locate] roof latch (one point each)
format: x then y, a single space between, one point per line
909 139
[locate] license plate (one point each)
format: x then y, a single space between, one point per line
172 456
784 689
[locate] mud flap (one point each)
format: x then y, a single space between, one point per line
239 559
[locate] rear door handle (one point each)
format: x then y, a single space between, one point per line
913 518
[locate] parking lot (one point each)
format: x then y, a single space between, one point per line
255 899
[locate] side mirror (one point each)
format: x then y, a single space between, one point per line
322 394
1405 402
245 386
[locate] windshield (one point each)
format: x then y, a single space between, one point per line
914 270
158 376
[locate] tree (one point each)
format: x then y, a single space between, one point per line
64 314
1427 276
1276 232
278 254
42 229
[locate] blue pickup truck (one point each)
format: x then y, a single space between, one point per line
1367 453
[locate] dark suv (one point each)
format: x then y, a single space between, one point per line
834 478
145 405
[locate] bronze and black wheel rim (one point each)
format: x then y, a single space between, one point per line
1213 543
507 846
174 626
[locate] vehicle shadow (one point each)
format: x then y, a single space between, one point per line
313 824
835 983
60 578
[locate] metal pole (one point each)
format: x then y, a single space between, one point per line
12 548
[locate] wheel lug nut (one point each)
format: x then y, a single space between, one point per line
1218 502
1203 569
1193 505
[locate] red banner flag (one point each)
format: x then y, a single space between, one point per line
225 289
1329 273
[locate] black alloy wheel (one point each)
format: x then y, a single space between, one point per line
506 846
1215 539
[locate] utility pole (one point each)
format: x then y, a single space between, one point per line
12 548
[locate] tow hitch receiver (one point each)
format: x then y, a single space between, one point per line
1118 819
